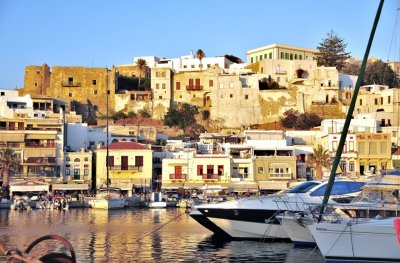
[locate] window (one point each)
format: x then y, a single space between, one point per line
94 82
361 148
286 55
95 92
351 166
251 60
231 95
86 159
300 57
110 161
282 55
163 85
178 85
67 159
157 74
383 147
67 172
221 85
86 172
372 148
261 170
77 160
295 56
157 85
291 56
77 174
124 163
302 188
160 97
265 56
192 66
360 102
220 170
381 100
260 57
70 81
200 170
246 97
211 83
138 161
35 84
37 71
70 95
270 55
184 66
2 93
376 101
388 99
163 74
208 65
210 169
231 85
339 188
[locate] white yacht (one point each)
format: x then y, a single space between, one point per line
108 199
357 241
254 217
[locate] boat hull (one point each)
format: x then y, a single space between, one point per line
372 241
296 228
112 203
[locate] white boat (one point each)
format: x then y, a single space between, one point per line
157 200
60 203
254 217
372 240
107 199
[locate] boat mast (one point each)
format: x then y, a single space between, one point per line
107 161
349 114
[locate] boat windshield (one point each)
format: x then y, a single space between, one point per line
304 187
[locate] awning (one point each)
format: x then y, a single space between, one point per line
12 137
193 185
67 187
171 185
123 186
273 185
29 186
243 186
41 136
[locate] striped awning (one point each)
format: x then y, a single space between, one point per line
41 136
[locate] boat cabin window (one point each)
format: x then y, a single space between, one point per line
303 188
339 188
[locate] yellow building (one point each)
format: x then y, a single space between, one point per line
190 170
78 167
130 165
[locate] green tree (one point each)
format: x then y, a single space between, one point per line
290 118
10 162
119 115
379 72
319 159
145 112
306 121
200 55
332 51
181 116
142 65
234 59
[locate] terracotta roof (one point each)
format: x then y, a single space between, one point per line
125 146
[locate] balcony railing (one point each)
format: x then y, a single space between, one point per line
41 145
210 176
280 175
70 84
194 87
41 160
177 176
244 175
128 168
11 144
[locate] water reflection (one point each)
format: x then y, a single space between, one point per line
138 235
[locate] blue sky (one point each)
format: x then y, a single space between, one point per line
103 33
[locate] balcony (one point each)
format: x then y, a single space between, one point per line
243 175
177 176
11 144
280 175
194 87
70 84
41 160
128 168
210 176
40 145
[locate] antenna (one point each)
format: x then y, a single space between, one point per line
107 161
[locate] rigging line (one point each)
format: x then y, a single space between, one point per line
158 228
390 47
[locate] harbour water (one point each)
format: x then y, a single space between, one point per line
138 235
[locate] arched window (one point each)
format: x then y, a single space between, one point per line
77 160
114 141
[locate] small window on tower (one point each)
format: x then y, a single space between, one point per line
70 95
95 92
94 82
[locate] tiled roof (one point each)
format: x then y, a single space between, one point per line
126 146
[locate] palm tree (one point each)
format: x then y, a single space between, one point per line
200 55
9 161
319 159
142 65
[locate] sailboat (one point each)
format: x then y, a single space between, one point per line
107 198
354 240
